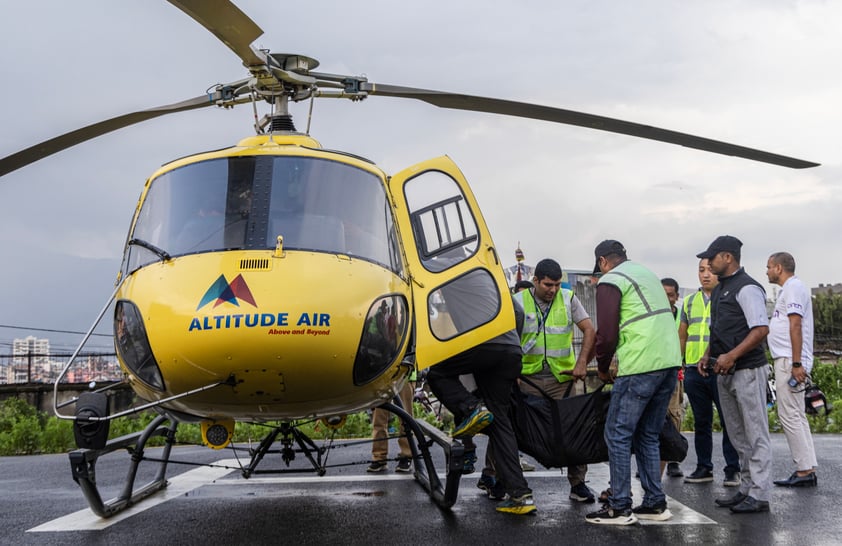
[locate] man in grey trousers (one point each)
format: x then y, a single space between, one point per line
738 327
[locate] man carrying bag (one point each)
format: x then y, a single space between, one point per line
549 361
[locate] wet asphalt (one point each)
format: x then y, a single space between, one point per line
40 504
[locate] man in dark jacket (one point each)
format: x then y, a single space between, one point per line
738 326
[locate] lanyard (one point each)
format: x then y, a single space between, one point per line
542 319
542 316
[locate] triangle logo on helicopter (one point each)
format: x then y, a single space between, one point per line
223 291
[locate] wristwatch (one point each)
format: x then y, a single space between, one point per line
796 364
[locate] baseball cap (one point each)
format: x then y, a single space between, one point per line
723 243
606 248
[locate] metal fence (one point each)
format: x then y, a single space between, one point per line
45 368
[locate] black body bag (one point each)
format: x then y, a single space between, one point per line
564 432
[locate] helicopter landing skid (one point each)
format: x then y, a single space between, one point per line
83 465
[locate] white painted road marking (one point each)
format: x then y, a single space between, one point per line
86 520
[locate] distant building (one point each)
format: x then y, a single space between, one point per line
826 289
30 359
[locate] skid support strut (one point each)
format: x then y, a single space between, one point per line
83 465
422 435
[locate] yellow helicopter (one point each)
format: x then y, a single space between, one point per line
276 281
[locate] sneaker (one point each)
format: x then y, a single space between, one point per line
732 478
404 465
610 516
659 512
525 466
518 505
376 466
475 422
581 493
468 460
674 471
700 475
486 482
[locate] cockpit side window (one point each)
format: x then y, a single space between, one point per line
443 225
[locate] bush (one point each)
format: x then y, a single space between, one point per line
827 376
20 428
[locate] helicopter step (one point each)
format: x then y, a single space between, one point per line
83 465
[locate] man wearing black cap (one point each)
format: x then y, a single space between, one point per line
636 323
738 326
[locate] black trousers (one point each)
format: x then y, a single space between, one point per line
495 368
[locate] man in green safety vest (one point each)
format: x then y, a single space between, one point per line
675 410
549 360
703 393
635 322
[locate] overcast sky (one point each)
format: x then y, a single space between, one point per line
763 74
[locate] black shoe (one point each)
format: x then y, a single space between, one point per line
674 471
732 478
728 502
376 466
610 516
404 464
700 475
810 480
750 505
581 493
659 512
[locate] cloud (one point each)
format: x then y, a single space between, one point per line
753 73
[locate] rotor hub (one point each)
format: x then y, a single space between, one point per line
292 62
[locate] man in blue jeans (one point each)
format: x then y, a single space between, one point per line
635 322
703 393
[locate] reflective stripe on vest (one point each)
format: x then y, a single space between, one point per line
547 337
648 339
698 327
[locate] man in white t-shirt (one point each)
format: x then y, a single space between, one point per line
791 344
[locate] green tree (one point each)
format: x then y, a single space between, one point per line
827 315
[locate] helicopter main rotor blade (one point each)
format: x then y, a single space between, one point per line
230 25
62 142
558 115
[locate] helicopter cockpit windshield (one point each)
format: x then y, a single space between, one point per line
246 202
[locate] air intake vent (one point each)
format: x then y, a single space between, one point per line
254 264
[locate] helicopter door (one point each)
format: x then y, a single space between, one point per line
460 295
